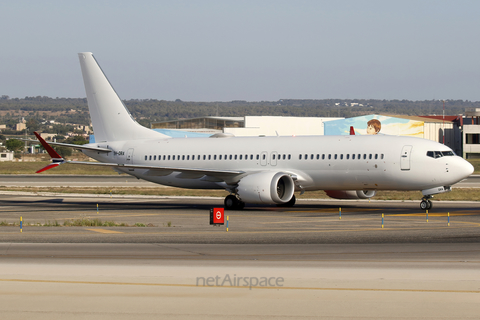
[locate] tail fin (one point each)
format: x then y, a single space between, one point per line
110 118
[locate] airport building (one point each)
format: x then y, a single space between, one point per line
434 128
244 126
471 134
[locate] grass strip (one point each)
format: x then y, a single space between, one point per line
459 194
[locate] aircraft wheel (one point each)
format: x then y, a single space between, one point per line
290 203
429 204
424 205
231 202
240 205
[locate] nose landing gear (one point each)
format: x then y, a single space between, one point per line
426 204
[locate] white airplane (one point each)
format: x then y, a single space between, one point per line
260 170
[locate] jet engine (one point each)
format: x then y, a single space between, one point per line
266 188
350 194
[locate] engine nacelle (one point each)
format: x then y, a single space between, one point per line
266 188
350 194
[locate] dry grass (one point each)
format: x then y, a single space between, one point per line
31 167
463 194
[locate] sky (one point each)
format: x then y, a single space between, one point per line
262 50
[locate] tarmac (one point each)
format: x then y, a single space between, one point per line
324 259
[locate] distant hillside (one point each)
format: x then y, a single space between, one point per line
75 110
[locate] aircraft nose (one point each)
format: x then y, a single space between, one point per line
466 168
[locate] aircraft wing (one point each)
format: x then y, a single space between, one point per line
187 173
159 168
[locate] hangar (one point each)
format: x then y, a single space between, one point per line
446 131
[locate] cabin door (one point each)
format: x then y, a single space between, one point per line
273 160
263 158
405 158
130 156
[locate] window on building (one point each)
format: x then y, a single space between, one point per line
472 138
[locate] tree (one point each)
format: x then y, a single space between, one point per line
14 144
63 151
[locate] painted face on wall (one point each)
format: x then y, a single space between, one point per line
371 130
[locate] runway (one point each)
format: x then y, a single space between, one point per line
280 263
188 281
47 180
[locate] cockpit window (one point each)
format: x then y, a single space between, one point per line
439 154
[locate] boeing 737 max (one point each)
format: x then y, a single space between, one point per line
260 170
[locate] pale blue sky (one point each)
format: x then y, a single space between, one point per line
244 50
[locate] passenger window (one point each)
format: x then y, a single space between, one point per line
258 157
299 157
146 157
335 156
209 157
214 157
240 157
289 156
188 157
318 156
311 157
163 157
306 156
329 156
236 157
376 156
173 158
220 157
251 157
169 157
204 157
348 156
150 158
183 157
263 156
370 156
359 156
341 156
230 157
323 156
353 156
273 156
381 156
193 157
364 156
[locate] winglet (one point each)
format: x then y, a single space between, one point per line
56 158
352 131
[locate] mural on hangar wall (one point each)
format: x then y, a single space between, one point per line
375 124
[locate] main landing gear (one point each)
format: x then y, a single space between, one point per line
233 203
426 204
290 203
